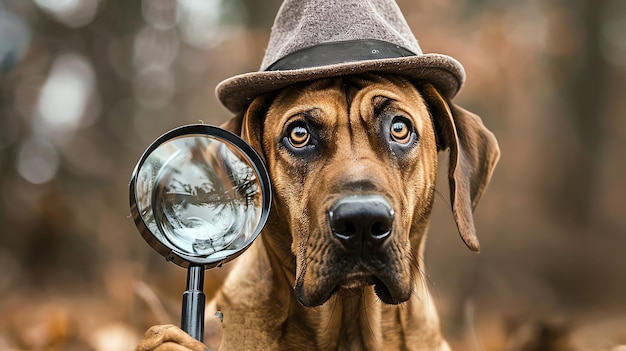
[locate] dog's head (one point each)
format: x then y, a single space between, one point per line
353 164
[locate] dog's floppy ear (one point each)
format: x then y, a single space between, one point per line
474 152
233 125
249 124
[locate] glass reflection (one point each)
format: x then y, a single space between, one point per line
199 195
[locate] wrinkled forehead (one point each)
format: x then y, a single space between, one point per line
340 93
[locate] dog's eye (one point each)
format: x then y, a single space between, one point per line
400 130
299 136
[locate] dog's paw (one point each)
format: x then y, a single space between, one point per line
172 338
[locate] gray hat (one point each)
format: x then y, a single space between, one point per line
314 39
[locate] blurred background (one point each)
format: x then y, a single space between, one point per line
87 85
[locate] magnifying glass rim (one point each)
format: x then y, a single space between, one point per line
172 253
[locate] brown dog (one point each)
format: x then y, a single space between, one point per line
353 162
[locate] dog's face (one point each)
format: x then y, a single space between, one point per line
353 165
353 162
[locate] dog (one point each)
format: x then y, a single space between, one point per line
338 266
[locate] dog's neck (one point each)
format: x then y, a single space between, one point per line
258 299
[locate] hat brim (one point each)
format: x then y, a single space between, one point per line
444 72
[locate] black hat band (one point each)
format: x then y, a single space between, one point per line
338 52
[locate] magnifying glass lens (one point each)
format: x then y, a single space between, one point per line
204 195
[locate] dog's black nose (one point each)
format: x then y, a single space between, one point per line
361 221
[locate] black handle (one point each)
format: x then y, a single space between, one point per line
192 320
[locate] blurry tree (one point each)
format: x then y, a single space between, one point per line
261 13
40 227
584 79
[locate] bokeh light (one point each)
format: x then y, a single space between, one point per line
206 23
65 94
37 161
72 13
15 39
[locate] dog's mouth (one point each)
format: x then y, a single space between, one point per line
382 289
389 288
358 281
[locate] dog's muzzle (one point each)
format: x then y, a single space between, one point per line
361 222
362 229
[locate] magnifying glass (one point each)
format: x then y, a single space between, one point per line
199 196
